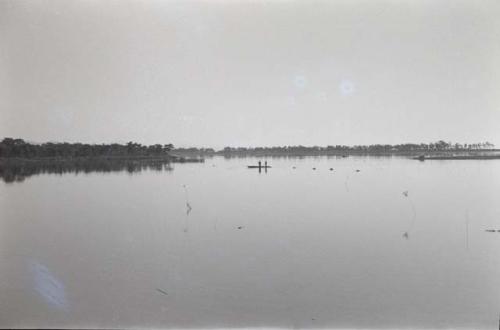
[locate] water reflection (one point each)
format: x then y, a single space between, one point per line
292 249
18 171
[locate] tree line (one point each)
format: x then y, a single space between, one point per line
18 148
339 149
10 147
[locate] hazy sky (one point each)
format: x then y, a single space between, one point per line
248 73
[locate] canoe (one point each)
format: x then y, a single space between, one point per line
257 166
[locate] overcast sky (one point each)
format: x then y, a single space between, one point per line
248 73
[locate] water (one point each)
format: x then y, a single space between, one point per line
290 248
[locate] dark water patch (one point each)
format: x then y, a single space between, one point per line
17 170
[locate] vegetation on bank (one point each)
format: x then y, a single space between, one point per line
406 148
18 148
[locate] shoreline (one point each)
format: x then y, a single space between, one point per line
199 157
346 153
165 159
457 157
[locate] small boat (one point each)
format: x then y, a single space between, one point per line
260 166
257 166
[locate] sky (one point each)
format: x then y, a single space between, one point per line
250 73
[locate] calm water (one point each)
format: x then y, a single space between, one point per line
292 248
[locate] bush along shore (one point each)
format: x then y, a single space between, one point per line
18 151
406 149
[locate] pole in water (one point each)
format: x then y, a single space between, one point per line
188 206
406 234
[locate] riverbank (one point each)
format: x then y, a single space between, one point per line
456 157
167 158
337 153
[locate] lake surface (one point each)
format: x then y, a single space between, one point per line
290 248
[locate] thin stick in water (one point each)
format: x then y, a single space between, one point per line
188 206
414 218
